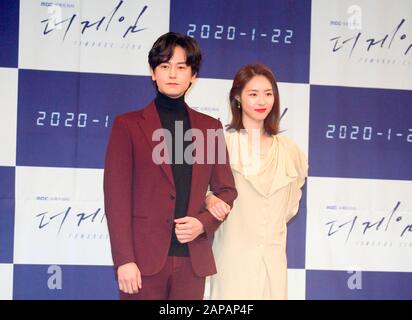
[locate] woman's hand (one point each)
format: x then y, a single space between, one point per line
217 207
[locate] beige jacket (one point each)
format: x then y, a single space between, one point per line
250 246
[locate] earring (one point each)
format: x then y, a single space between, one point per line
238 105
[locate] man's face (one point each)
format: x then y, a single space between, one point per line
174 76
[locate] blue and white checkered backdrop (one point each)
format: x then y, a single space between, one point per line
68 67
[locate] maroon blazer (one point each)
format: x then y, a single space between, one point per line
140 194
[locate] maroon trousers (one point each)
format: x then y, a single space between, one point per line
176 281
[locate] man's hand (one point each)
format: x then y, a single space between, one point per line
187 229
217 207
130 279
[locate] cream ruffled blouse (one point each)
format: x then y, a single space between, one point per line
250 245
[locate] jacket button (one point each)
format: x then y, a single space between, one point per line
169 220
172 197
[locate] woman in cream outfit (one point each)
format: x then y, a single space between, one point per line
269 171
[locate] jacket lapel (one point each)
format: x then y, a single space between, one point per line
194 124
149 123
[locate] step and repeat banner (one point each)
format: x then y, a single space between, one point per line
68 67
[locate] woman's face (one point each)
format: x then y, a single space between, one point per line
256 99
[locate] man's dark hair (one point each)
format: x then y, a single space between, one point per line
163 48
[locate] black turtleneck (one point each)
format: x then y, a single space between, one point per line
171 111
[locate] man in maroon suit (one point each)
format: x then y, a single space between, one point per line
160 231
